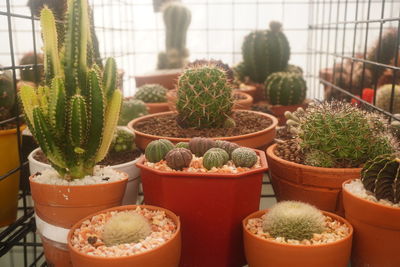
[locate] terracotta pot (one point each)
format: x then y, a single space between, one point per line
157 107
248 89
318 186
266 253
279 111
171 99
56 252
9 186
211 207
166 255
259 94
258 139
243 103
167 78
376 231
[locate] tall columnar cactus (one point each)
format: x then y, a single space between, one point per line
74 115
177 18
264 52
384 98
285 88
151 93
381 176
204 97
7 95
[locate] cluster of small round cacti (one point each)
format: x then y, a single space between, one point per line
158 149
124 140
151 93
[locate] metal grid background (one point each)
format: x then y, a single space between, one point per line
321 33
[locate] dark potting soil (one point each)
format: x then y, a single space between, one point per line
246 123
110 160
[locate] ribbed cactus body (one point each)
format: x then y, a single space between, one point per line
204 97
123 140
215 157
381 176
178 158
182 145
151 93
157 150
384 98
200 145
285 88
229 147
7 95
131 109
244 157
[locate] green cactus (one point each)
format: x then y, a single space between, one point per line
384 97
123 140
177 18
215 157
229 147
74 115
157 150
200 145
381 176
294 69
204 97
125 227
293 220
317 158
131 109
178 158
244 157
7 95
264 52
30 74
182 145
151 93
285 88
201 62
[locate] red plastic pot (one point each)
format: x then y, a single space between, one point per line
211 207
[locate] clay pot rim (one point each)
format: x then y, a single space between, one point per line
263 168
271 153
259 213
306 101
12 130
169 214
181 139
150 103
240 92
365 201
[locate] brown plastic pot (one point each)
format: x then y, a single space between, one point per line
258 139
167 78
244 103
261 252
318 186
376 231
211 207
166 255
279 111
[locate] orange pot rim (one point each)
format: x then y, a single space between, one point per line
239 92
259 213
375 204
12 130
204 175
270 152
160 104
169 213
180 139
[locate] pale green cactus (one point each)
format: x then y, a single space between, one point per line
74 115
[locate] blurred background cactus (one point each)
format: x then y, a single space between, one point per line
33 75
177 18
74 115
123 140
285 88
7 96
131 109
151 93
384 96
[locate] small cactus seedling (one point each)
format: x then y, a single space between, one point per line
215 157
182 145
384 96
381 176
7 95
125 227
244 157
285 88
200 145
124 140
151 93
131 109
157 150
227 146
178 158
293 220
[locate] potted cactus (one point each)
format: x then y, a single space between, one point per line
204 105
131 109
312 166
154 95
293 233
384 96
264 52
218 180
177 18
372 206
73 118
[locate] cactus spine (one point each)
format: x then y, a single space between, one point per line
177 18
7 95
74 115
151 93
285 88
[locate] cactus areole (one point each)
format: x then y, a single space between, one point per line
74 115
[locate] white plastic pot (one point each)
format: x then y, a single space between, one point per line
132 189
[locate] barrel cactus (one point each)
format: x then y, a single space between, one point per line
131 109
182 145
177 18
204 97
264 52
244 157
74 115
294 69
285 88
227 146
7 95
381 176
178 158
201 62
151 93
293 220
216 157
200 145
157 150
125 227
124 140
31 74
384 96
